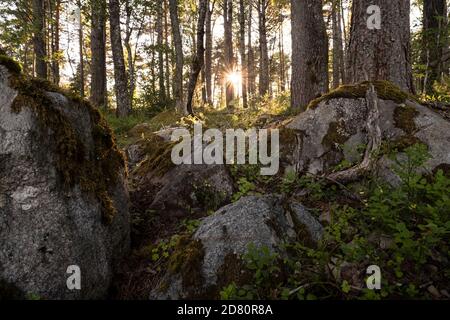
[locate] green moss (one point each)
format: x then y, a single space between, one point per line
385 90
12 65
406 142
95 171
336 134
187 260
404 117
288 139
158 161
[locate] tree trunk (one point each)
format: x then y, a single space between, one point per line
242 52
160 43
381 54
166 52
435 41
338 50
199 58
178 78
309 52
251 54
98 54
55 42
120 75
129 50
40 51
282 70
264 81
81 50
228 50
208 55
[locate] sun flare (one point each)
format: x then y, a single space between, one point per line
235 78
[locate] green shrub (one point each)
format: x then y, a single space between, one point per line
405 230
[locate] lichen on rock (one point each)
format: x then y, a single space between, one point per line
64 197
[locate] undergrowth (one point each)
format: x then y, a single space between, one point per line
404 230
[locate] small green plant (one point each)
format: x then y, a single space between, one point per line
263 263
190 225
209 197
405 230
245 187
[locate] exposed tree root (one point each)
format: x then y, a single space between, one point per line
374 134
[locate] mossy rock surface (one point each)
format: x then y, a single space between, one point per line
63 192
385 90
157 156
12 65
93 170
187 261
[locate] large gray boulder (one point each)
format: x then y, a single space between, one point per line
175 192
213 257
333 132
63 193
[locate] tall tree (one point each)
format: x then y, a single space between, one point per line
199 58
120 74
178 77
208 53
251 76
160 46
435 41
98 53
80 48
309 52
55 7
264 81
242 51
228 50
167 52
338 49
380 53
40 50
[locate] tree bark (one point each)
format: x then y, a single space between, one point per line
160 44
228 50
435 41
242 52
338 49
208 54
199 59
309 52
55 41
251 53
129 50
166 52
120 75
81 50
381 54
178 77
98 54
264 81
40 51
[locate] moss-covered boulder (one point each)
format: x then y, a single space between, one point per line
63 192
212 258
175 192
333 134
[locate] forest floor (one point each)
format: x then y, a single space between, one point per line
414 251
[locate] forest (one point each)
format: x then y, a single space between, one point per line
349 100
